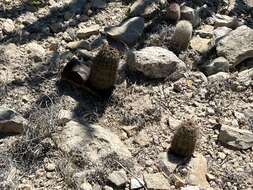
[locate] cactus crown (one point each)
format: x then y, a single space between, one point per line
185 139
107 55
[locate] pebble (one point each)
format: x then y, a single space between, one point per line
50 167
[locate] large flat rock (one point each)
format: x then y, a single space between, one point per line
155 62
237 46
94 140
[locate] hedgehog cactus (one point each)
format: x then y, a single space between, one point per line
183 34
173 11
185 139
104 68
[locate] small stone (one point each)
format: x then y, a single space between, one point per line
136 183
50 167
49 175
142 138
197 171
156 181
25 187
138 7
40 173
236 138
11 122
118 178
179 182
86 186
221 155
218 77
128 32
35 51
219 33
189 187
168 162
205 31
65 116
84 33
199 44
79 44
219 64
8 26
210 177
224 20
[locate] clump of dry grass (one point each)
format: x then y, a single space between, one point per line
31 148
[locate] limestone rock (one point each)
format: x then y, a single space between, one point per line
35 51
168 162
138 7
118 178
236 138
199 44
8 26
219 33
197 171
237 46
155 62
156 181
219 64
128 32
136 183
85 186
11 122
218 77
95 140
224 20
83 33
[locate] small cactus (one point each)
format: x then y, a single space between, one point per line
173 11
183 34
185 139
104 68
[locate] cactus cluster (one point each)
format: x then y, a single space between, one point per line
104 69
184 141
183 34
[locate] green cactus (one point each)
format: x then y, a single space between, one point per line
184 141
104 68
183 34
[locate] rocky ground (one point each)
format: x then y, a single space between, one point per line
54 135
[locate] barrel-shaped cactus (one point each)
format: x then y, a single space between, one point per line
173 11
183 34
184 141
104 69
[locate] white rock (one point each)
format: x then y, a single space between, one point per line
36 51
136 183
85 186
156 181
94 140
237 46
218 77
236 138
219 33
197 171
8 26
118 178
88 31
155 62
224 20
